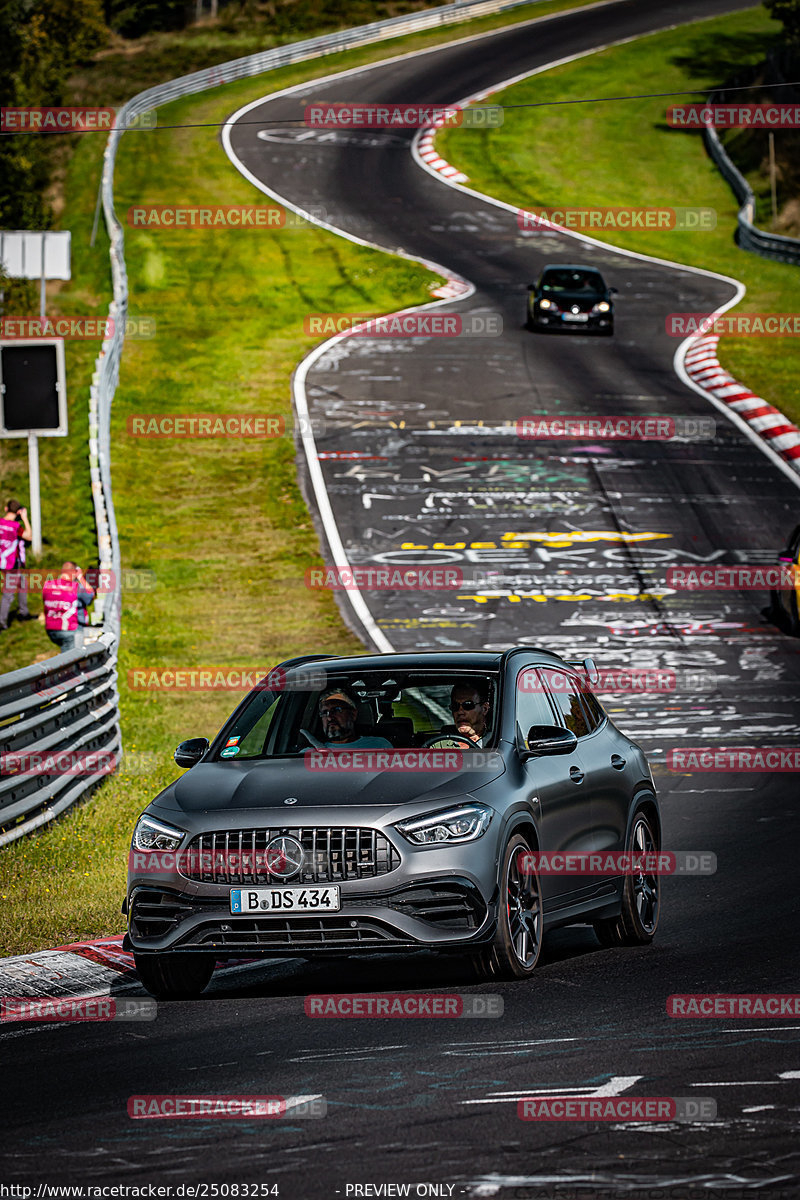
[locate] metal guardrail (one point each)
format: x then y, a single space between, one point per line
748 235
66 706
69 703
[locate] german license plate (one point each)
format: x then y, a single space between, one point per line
575 316
260 900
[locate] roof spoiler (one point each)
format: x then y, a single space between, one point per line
587 665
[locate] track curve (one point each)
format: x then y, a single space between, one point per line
413 1101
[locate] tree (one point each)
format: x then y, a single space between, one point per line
787 11
133 18
43 41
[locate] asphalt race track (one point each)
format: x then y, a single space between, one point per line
433 422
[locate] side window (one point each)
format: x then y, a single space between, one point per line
565 691
252 743
594 710
532 705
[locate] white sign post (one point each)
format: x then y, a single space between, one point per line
42 255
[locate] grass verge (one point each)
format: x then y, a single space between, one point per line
114 76
624 154
222 524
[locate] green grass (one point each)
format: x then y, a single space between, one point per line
222 524
115 75
622 153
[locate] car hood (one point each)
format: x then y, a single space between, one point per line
228 786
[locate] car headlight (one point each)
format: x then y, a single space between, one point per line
150 834
545 304
463 824
603 306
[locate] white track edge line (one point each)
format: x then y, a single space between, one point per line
327 517
686 345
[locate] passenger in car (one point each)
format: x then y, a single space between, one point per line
469 704
338 711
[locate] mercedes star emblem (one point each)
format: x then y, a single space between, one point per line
285 857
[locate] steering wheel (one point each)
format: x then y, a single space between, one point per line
449 741
315 742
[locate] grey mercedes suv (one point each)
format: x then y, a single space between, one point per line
394 803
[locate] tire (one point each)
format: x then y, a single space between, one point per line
641 896
517 943
174 976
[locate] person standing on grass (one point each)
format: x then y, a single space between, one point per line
15 536
65 602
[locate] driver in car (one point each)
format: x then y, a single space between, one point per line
338 711
469 704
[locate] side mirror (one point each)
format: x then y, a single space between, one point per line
550 739
531 287
189 753
613 291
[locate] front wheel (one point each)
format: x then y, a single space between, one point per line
641 895
174 976
517 944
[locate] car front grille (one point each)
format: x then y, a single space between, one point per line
330 855
154 914
323 933
449 906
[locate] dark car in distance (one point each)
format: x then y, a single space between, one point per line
278 842
570 296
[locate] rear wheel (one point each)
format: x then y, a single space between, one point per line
641 895
174 976
517 944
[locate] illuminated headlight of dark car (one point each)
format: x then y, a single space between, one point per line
547 304
603 306
150 834
464 824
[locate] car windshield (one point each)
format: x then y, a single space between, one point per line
572 281
318 706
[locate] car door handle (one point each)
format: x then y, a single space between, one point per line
617 761
576 774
